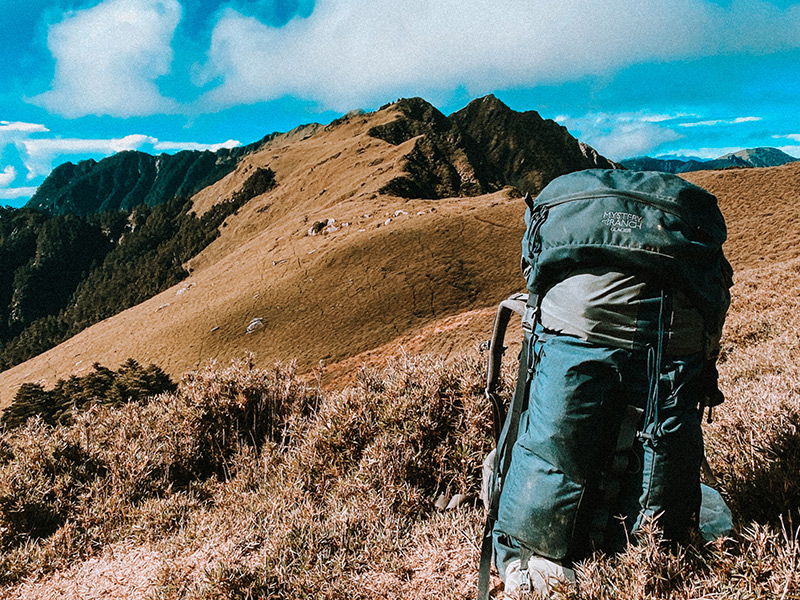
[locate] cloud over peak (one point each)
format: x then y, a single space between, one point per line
348 53
342 54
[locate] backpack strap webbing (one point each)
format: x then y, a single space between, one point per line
510 426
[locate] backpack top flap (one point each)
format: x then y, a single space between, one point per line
656 224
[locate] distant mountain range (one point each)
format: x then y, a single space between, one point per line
130 178
751 157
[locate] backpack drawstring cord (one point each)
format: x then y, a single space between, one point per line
655 357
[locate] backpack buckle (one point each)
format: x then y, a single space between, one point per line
524 581
529 318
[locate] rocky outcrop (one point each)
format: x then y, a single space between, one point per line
480 149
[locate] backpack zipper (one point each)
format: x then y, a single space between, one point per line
664 205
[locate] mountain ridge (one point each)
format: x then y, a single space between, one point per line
746 158
130 178
409 261
480 149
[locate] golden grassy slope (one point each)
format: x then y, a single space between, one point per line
396 267
394 279
337 503
762 210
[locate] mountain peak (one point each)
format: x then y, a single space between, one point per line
747 158
481 148
759 157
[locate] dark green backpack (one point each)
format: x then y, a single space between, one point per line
628 291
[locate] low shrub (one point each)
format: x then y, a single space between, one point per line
131 382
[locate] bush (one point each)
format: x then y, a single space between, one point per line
131 382
249 483
95 474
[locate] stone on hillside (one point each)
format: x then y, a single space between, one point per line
323 227
257 324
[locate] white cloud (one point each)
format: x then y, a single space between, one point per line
40 155
791 150
705 153
20 127
168 146
8 175
109 57
792 136
351 52
625 135
13 193
659 118
714 122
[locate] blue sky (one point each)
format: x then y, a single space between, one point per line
86 78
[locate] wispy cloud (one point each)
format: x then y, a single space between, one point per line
715 122
14 193
705 153
791 150
8 175
20 127
792 136
351 52
174 146
39 154
624 135
109 57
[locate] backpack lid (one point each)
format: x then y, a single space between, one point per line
654 224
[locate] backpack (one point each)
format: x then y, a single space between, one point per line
628 289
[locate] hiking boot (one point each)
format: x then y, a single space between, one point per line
542 575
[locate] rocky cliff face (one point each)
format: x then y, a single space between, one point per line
481 148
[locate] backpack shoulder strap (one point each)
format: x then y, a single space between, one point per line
514 304
528 307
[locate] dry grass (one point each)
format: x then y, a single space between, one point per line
762 210
330 497
247 483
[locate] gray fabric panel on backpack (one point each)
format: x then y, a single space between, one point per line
601 306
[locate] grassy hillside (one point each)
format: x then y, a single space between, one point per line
423 226
413 266
253 480
762 210
249 483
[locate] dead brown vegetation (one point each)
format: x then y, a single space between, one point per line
331 494
252 482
